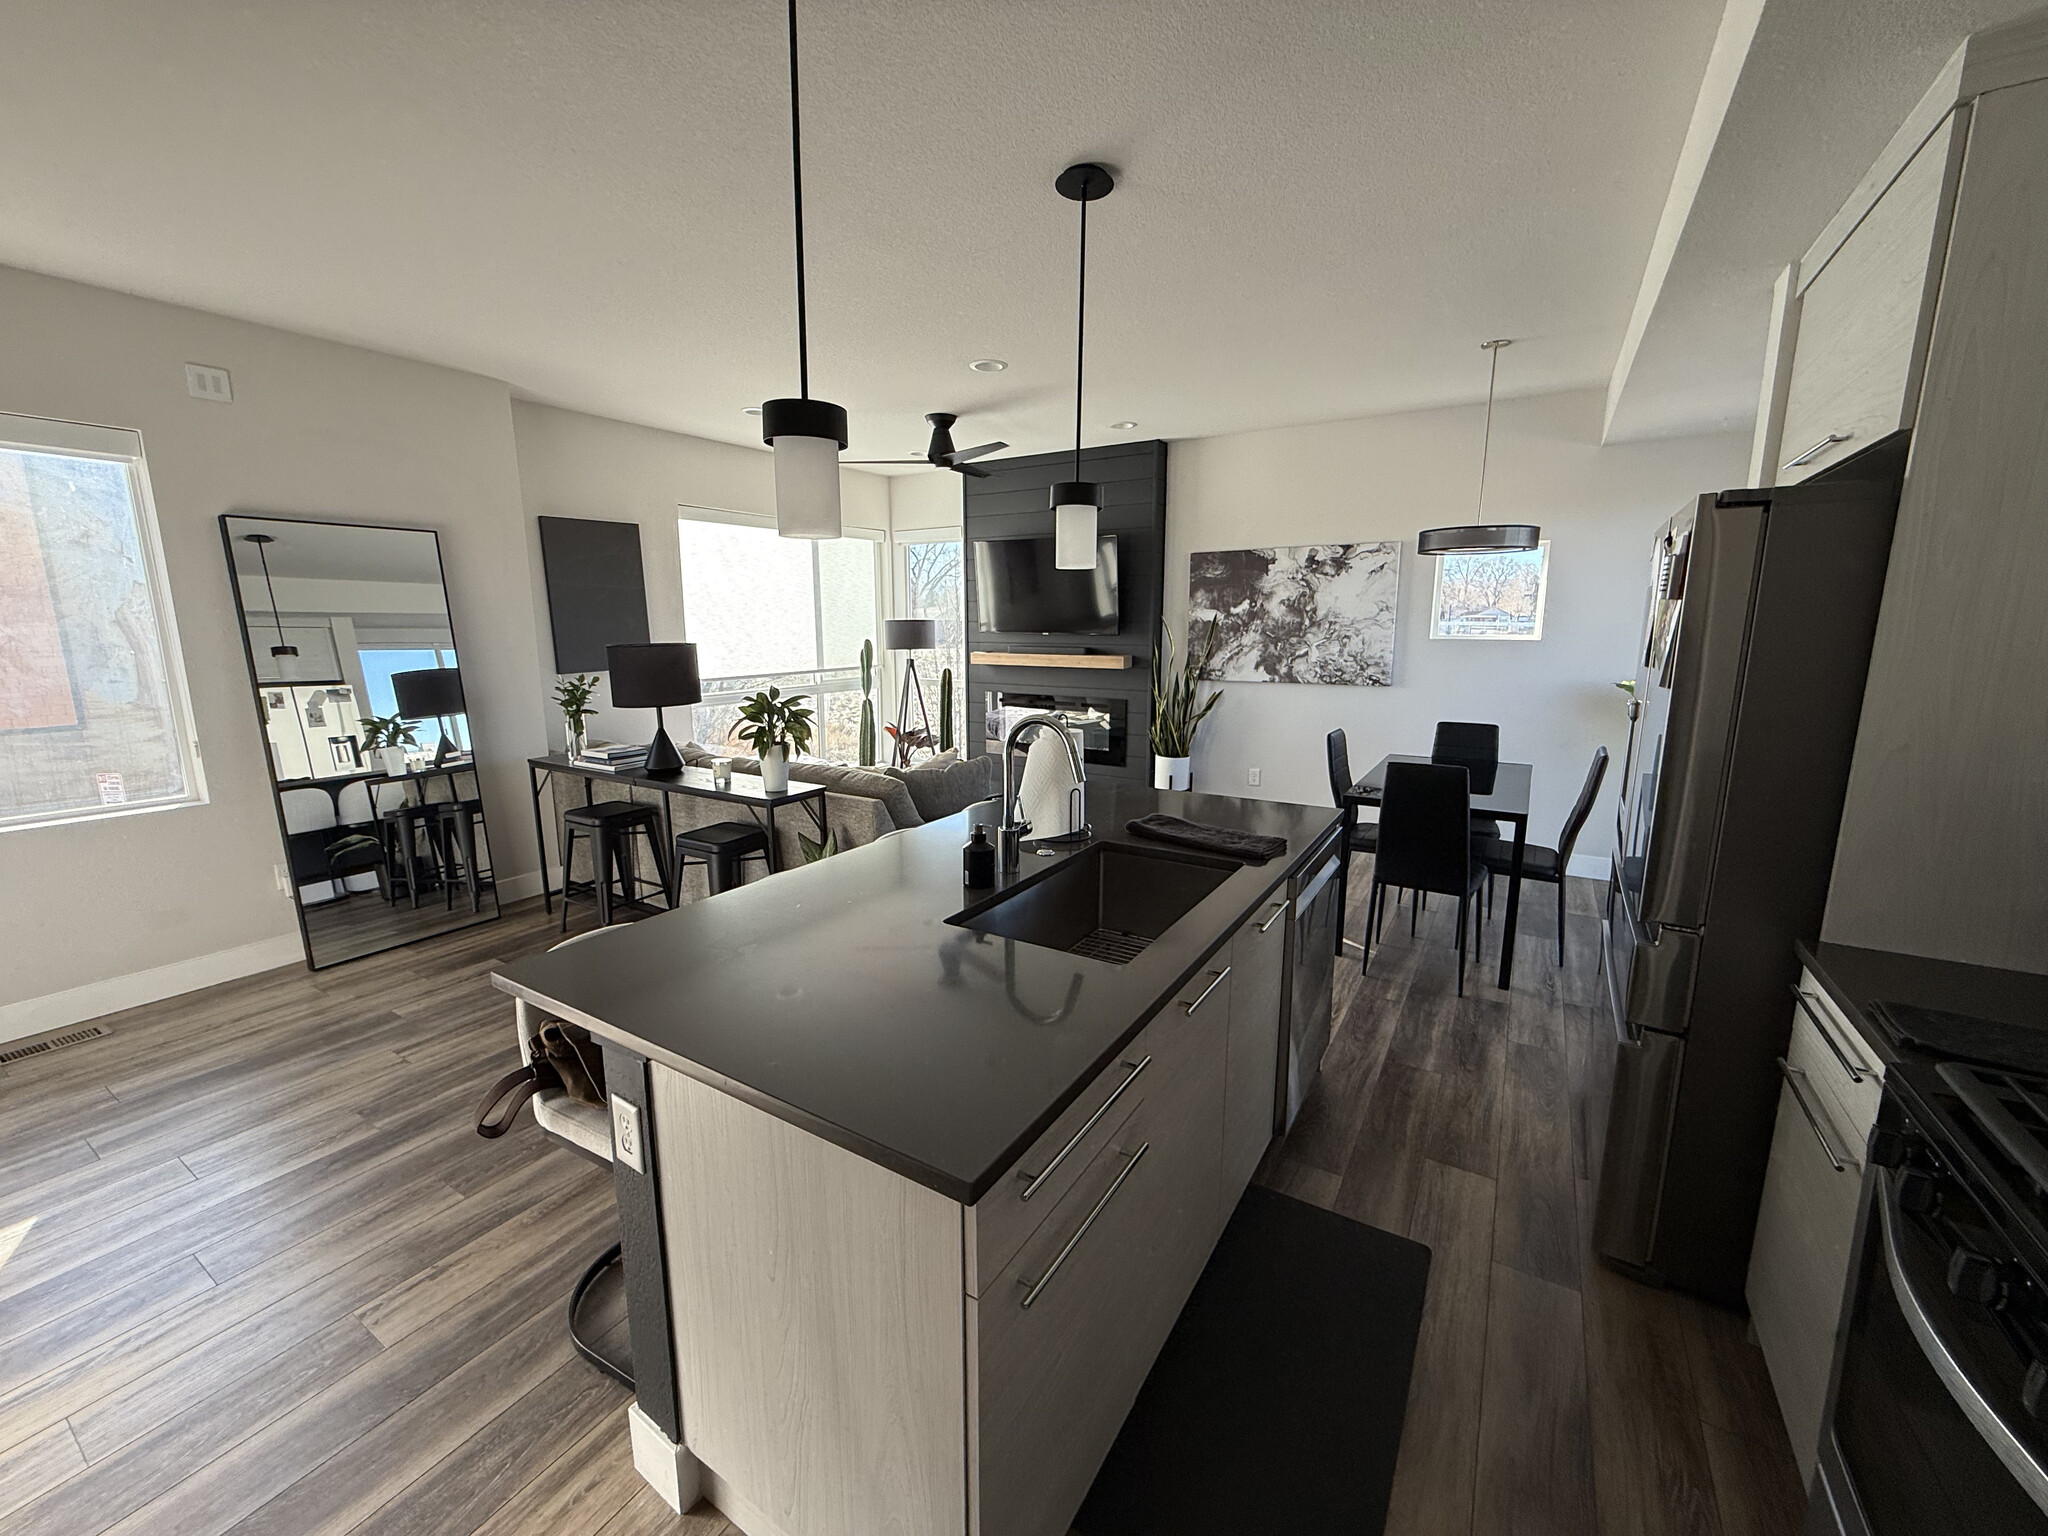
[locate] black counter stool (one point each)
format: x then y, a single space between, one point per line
609 824
721 848
456 822
402 827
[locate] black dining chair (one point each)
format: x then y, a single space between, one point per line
1476 746
1426 844
1549 864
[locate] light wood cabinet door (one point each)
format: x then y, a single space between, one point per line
1864 320
1062 1339
1258 956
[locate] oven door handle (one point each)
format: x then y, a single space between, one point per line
2018 1458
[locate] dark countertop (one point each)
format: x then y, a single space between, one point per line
837 997
1855 978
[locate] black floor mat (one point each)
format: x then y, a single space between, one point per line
1277 1402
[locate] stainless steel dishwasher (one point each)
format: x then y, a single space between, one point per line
1311 968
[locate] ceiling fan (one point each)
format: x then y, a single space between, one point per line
942 454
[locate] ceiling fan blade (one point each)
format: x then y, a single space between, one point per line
974 453
969 469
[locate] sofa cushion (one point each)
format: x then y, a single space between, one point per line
864 782
947 785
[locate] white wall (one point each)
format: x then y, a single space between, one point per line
573 465
1387 477
103 915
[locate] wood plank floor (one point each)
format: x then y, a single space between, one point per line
257 1274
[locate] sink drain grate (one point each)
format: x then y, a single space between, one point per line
1111 944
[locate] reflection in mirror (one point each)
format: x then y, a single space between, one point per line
352 657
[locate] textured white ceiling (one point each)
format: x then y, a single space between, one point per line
1824 85
1325 206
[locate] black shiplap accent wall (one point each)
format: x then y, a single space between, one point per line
1014 502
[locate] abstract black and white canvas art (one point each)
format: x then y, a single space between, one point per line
1313 613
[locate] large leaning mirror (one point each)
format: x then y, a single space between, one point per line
359 693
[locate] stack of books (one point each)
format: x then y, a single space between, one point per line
612 754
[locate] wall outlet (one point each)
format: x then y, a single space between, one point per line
283 877
206 383
626 1134
1255 778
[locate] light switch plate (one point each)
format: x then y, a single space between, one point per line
207 383
626 1134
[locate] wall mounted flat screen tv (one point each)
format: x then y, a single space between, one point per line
1019 591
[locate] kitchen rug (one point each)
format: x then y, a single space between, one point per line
1277 1402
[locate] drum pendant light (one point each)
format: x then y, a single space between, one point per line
1479 537
807 435
1075 502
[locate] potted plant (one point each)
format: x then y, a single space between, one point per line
387 737
867 704
572 696
775 725
1176 708
946 710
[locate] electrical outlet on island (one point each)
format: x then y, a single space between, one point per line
1255 778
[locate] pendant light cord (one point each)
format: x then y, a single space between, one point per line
275 617
1486 442
1080 338
796 176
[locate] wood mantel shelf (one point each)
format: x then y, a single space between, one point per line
1098 662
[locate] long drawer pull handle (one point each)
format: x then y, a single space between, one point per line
1213 985
1817 449
1279 908
1081 1135
1806 1007
1792 1076
1081 1231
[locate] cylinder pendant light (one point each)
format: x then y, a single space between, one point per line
1480 537
807 435
1076 502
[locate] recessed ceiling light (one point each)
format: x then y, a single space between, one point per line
1122 426
753 410
988 365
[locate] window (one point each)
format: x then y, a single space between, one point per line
932 589
765 610
94 717
1490 597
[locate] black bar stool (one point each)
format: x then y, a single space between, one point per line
456 821
609 824
721 848
402 826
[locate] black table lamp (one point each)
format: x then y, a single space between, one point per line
907 635
655 677
433 693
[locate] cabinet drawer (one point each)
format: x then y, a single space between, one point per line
1000 1222
1063 1337
1863 322
1800 1264
1845 1072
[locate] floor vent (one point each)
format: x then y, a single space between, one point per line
50 1043
1111 944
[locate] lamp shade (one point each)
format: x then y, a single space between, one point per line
806 436
432 691
1479 539
909 634
653 676
1074 506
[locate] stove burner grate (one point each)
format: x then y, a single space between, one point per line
2011 1107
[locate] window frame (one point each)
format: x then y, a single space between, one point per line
57 437
1436 601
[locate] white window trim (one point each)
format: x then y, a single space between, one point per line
78 439
1436 595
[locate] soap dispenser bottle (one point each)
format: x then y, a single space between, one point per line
978 860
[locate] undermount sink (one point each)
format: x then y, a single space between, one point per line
1107 903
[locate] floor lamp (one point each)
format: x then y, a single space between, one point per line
907 636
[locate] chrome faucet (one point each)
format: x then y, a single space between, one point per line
1010 831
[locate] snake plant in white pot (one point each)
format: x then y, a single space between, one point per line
1178 708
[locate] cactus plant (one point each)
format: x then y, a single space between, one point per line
946 710
867 704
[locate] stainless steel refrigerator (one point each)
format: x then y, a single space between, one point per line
1748 687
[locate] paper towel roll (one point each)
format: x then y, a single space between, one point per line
1048 797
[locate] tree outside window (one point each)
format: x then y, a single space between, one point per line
1497 596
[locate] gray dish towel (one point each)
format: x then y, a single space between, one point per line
1251 847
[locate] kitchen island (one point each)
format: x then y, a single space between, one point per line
913 1181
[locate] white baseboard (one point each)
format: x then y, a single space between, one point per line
522 887
1589 866
664 1466
36 1015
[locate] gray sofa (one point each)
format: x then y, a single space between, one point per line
861 804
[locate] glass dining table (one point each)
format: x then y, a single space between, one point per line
1501 792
